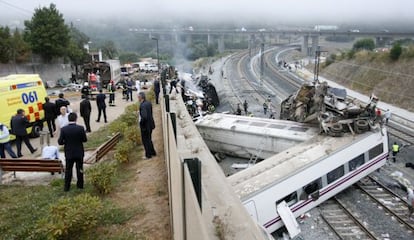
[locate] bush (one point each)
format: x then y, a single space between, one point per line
69 218
101 176
396 51
122 150
331 59
350 54
364 44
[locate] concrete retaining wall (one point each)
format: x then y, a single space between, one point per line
47 72
222 215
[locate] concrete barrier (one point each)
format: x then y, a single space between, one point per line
222 215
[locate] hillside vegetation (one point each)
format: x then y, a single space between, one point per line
375 72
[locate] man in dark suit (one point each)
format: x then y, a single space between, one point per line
50 115
85 111
100 102
146 124
18 124
72 137
60 102
157 89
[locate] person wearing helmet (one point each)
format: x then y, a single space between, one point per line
85 89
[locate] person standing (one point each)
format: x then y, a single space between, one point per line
395 150
100 102
245 106
85 109
61 102
98 80
72 137
129 86
62 119
265 108
18 125
85 89
238 110
5 142
146 124
111 90
387 116
50 115
157 89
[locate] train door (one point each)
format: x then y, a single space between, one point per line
288 219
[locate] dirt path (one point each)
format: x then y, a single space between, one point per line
147 192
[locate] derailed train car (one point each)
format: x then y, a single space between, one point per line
330 108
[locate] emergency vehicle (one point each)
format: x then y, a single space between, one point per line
25 91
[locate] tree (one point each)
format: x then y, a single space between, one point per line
109 50
47 33
396 51
128 57
5 45
21 48
364 44
75 51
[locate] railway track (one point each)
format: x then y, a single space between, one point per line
343 222
389 201
400 132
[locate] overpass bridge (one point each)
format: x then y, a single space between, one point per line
256 37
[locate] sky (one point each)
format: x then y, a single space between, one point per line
243 11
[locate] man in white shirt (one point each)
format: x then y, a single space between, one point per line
63 117
387 116
50 152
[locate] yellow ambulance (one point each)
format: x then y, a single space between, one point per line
25 91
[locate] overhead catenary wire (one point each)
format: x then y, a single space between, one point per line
22 10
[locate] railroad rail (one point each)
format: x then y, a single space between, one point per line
343 222
388 200
400 132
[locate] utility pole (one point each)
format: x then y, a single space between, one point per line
317 62
261 63
158 54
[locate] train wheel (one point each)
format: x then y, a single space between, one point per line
361 125
336 130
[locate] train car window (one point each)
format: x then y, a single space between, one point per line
335 174
289 199
241 122
276 126
258 124
310 188
375 151
299 129
356 162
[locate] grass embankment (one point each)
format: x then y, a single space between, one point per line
46 212
374 72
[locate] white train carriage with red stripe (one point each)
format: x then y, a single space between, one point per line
290 183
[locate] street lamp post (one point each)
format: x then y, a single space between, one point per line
158 56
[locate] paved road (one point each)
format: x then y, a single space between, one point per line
39 177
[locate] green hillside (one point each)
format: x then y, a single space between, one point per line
372 72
